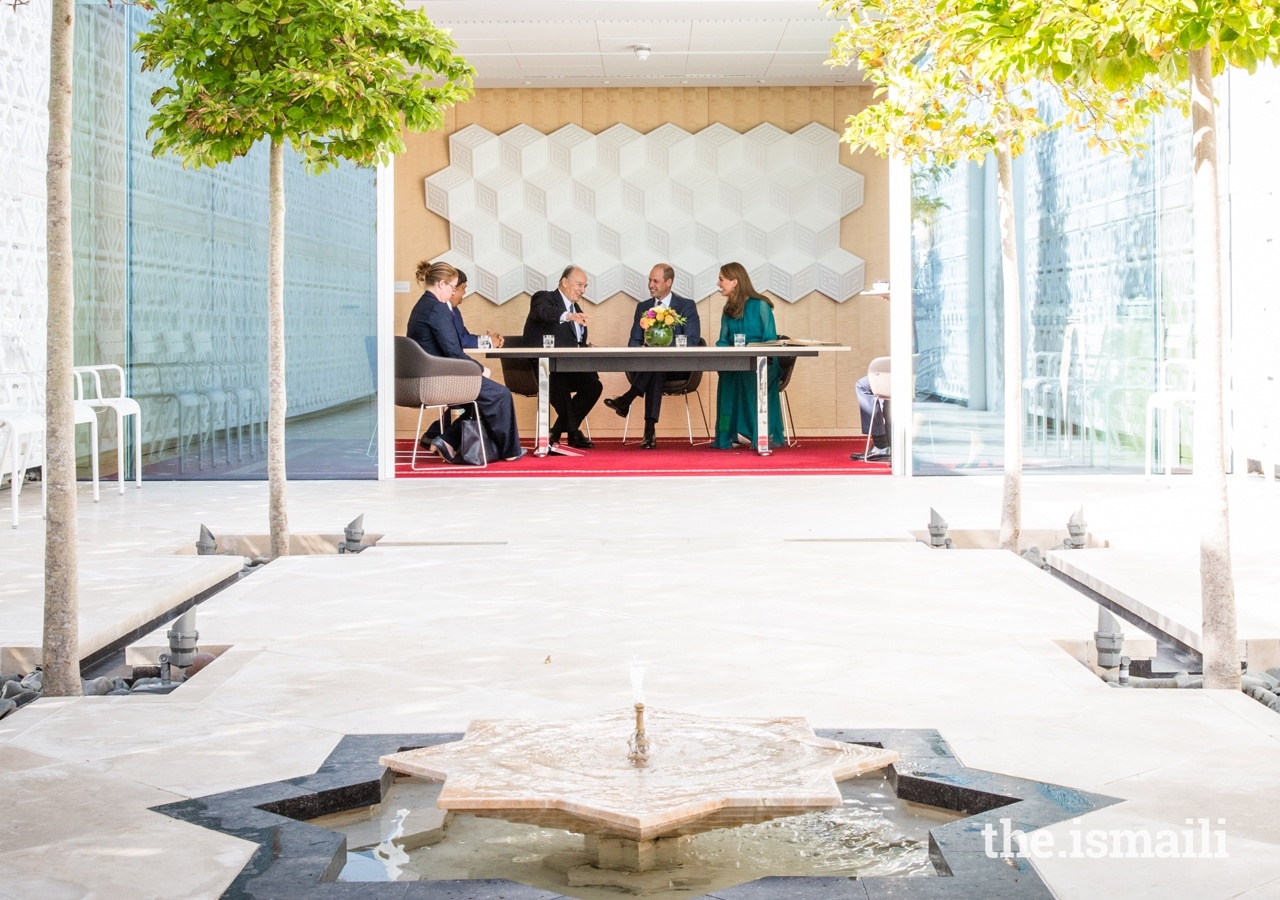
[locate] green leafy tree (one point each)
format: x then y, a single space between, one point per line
335 79
1123 44
948 93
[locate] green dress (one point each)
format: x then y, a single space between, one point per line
736 391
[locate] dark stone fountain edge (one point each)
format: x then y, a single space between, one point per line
295 859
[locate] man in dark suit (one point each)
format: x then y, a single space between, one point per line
573 394
649 384
431 324
468 340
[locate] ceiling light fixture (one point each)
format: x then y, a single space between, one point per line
642 52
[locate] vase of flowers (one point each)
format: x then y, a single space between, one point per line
659 325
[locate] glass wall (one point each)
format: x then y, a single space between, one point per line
1105 252
171 285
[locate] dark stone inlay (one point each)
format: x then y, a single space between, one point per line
297 860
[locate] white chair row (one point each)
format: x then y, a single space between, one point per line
22 430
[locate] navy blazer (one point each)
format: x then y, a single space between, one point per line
431 324
545 309
468 340
692 328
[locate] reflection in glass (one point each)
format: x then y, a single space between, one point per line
1105 252
171 284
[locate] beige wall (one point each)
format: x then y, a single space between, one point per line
821 392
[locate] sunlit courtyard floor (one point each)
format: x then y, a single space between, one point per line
529 598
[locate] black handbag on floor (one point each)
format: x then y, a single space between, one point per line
474 441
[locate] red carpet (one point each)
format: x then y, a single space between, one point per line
674 456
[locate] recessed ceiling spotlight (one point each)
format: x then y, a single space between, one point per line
684 81
839 81
528 82
642 52
761 81
606 81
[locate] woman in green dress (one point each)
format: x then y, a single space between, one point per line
747 313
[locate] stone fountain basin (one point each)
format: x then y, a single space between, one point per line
703 773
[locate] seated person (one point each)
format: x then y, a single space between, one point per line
649 384
573 394
431 324
469 341
876 427
748 313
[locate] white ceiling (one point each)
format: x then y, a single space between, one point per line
591 43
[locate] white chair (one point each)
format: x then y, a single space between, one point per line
119 404
24 423
880 381
1059 389
1165 404
21 435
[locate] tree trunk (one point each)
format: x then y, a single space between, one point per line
1217 588
60 653
1011 497
277 511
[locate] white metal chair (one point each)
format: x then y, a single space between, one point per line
119 404
1164 406
21 435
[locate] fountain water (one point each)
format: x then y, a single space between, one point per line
638 806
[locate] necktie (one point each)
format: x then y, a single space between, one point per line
577 329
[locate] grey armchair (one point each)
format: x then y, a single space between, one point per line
424 381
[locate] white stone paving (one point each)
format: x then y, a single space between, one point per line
717 584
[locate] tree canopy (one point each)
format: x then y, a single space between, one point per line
957 79
337 79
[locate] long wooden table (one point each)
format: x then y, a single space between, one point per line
656 359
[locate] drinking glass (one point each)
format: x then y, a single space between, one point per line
548 341
682 340
739 340
484 342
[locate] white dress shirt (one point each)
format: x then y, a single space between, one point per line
564 316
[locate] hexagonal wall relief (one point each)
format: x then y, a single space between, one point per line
522 205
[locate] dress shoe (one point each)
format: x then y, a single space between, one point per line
425 443
620 405
580 441
650 441
445 450
877 453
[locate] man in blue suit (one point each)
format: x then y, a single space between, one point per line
649 384
431 324
468 340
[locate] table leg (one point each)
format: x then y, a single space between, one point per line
542 444
762 405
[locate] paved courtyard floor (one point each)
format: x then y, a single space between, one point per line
755 596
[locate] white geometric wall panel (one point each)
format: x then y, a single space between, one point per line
523 205
24 135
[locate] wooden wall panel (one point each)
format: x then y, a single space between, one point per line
822 391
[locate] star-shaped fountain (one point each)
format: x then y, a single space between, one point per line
701 773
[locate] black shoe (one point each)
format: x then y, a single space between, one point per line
876 453
445 449
650 441
517 457
617 405
425 441
580 441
